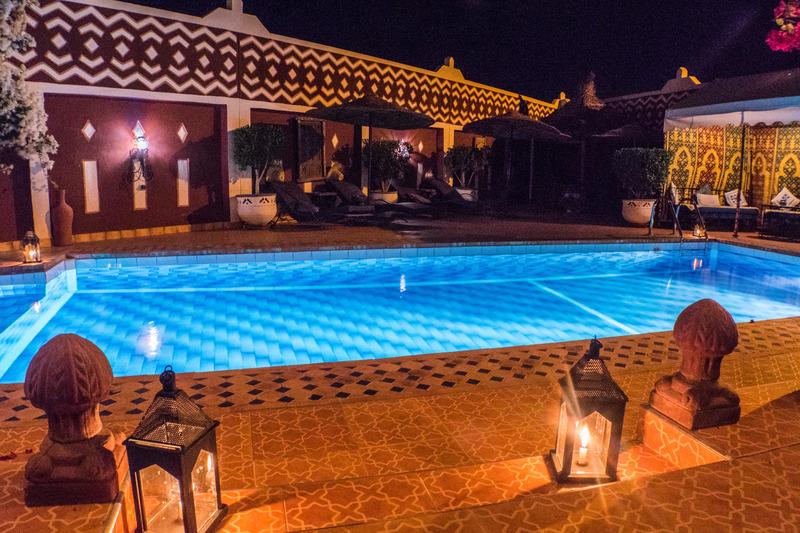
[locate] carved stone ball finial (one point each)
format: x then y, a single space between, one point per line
78 461
705 332
68 378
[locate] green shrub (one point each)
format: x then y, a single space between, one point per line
467 164
641 172
389 159
258 147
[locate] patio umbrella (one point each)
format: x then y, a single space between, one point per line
517 125
372 111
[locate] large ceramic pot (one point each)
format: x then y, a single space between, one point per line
470 195
61 220
637 212
256 209
388 197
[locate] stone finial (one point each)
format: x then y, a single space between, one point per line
78 460
68 377
705 332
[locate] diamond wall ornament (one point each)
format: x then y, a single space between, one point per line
122 49
91 45
335 141
183 133
138 130
88 130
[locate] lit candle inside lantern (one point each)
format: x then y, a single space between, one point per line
583 452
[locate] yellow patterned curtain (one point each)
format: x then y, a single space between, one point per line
712 156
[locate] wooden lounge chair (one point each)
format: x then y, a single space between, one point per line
444 195
354 200
293 202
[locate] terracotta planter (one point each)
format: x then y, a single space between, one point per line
61 220
637 212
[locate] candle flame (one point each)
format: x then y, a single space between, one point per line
585 436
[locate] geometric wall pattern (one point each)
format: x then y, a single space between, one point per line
89 45
711 156
646 109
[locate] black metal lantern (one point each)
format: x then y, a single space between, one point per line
174 466
590 423
31 248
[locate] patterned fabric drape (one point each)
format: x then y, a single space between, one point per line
712 156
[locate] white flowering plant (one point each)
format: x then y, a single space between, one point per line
23 121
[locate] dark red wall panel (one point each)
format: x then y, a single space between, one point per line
16 215
114 120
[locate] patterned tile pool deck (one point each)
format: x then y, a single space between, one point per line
454 443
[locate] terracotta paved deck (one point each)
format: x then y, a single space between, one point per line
453 442
465 456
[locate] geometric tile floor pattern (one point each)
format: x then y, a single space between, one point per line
454 443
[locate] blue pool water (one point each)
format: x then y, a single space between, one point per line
251 313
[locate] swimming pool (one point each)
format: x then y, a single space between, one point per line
202 313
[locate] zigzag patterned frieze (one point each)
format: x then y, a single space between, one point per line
649 109
88 45
273 66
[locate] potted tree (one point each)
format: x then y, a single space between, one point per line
641 173
23 121
389 160
467 165
258 147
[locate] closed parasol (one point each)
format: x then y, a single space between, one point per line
371 111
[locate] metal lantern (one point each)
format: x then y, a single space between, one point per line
174 465
31 248
590 423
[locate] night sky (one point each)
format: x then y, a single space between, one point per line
537 47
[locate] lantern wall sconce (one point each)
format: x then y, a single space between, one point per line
174 465
140 171
590 422
31 248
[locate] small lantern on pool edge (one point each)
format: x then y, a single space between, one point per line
31 248
174 466
590 423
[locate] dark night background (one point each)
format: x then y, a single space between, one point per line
537 47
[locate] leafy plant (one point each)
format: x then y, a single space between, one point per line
389 158
23 121
258 147
467 164
641 172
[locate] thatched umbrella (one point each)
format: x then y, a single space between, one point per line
517 125
372 111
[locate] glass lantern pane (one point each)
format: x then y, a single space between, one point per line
161 497
204 487
561 439
592 439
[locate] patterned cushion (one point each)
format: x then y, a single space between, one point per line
730 198
707 200
785 198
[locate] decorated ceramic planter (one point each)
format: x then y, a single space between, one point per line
637 212
388 197
256 209
470 195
